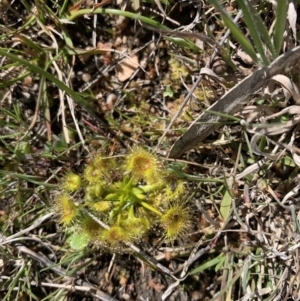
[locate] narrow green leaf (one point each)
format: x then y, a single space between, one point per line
251 22
220 263
150 208
63 8
225 207
288 161
237 33
280 24
228 117
230 282
9 83
245 276
28 178
50 77
28 42
263 31
185 43
213 262
127 14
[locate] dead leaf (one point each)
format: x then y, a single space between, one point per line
107 49
246 58
292 18
73 9
103 3
288 86
212 74
127 67
276 130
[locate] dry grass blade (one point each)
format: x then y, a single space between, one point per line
231 102
288 86
99 295
275 129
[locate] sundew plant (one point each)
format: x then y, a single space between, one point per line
132 195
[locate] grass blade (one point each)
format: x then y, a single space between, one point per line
217 261
263 31
281 15
237 33
50 77
225 207
117 12
249 18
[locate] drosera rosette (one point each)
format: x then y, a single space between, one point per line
66 208
142 164
101 206
176 221
71 182
99 169
93 191
135 223
115 236
84 232
172 188
131 196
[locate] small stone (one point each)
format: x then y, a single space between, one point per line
196 296
86 77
